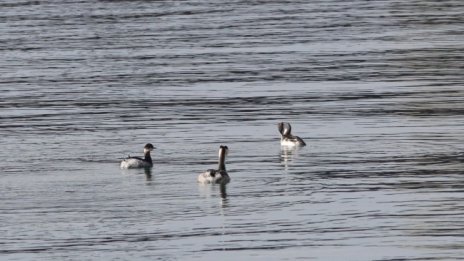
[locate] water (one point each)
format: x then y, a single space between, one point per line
374 87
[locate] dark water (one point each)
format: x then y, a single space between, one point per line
376 88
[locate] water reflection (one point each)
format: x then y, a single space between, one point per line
288 155
148 174
223 191
211 190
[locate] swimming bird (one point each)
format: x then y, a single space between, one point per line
217 176
287 139
137 162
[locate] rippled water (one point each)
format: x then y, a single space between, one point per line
376 89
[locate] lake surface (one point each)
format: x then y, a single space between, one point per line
375 88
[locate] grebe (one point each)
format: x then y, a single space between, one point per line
137 162
217 176
287 139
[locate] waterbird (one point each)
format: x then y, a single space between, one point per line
217 176
138 162
287 139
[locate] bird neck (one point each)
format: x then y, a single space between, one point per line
148 156
222 160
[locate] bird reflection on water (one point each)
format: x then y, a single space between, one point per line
148 174
288 155
210 191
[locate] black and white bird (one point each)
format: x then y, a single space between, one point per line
287 139
217 176
138 162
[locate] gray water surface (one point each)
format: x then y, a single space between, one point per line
375 88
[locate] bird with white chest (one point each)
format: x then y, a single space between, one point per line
286 137
137 162
219 175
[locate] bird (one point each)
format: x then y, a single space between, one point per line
138 162
287 139
217 176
